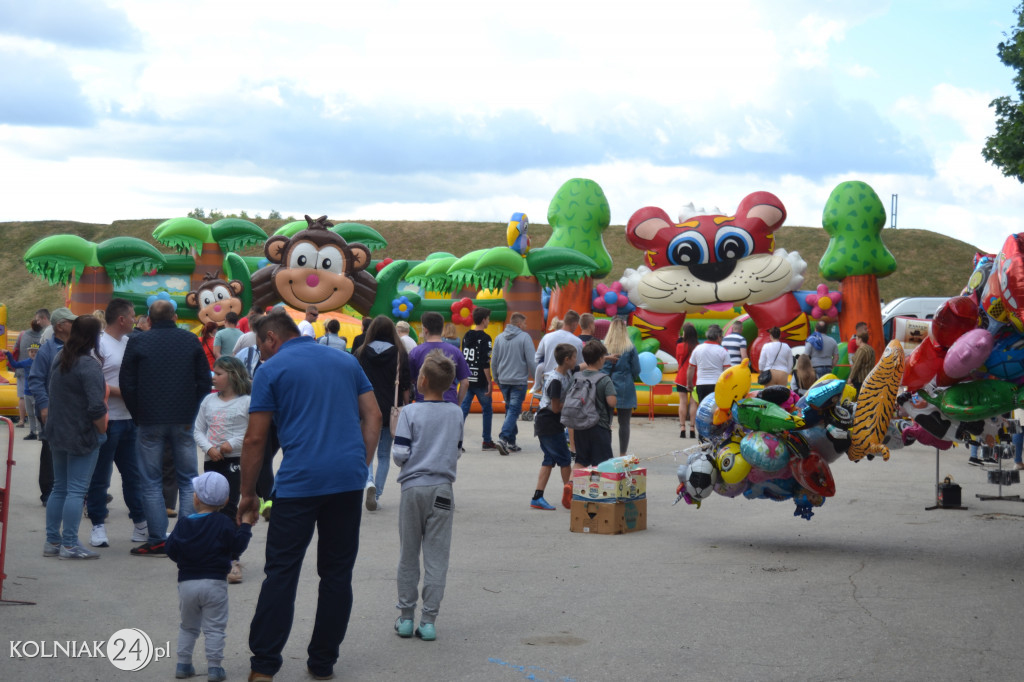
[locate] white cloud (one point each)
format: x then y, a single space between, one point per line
860 71
470 111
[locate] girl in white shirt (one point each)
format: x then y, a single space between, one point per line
777 357
219 430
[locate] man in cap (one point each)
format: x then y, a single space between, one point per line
39 382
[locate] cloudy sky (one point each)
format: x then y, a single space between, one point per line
404 109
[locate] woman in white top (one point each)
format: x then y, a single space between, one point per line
707 362
777 357
219 429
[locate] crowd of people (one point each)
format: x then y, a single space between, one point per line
154 399
700 364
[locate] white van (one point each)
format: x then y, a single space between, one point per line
921 307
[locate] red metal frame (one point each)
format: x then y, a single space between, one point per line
5 507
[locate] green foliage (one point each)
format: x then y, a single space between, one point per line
854 218
60 258
918 253
199 213
362 234
236 234
1005 149
216 214
556 266
273 215
432 274
578 214
183 234
128 257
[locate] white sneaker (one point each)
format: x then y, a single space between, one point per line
371 496
141 532
99 536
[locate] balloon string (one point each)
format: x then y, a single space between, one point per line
674 453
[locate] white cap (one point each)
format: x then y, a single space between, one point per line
212 489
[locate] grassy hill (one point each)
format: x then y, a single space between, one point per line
930 264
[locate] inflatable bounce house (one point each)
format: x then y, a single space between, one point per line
759 443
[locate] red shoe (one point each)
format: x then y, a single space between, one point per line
567 496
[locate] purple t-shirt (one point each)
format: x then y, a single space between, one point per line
417 355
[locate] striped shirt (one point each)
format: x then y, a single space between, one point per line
734 343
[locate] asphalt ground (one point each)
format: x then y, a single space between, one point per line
874 587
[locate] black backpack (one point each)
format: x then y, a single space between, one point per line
580 408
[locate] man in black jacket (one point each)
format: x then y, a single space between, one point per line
164 376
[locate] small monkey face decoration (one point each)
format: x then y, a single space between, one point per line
316 266
215 298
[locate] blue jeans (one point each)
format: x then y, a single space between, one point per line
149 450
72 473
1018 446
819 372
514 396
483 394
336 518
556 451
119 449
383 460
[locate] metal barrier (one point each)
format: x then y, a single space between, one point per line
5 508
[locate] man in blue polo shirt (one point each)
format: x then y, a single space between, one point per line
320 400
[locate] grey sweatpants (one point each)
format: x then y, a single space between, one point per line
203 604
424 522
30 412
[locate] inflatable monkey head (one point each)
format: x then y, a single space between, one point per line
317 267
215 298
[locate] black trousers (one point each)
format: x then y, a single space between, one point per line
45 472
336 519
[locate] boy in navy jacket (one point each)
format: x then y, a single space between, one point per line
203 545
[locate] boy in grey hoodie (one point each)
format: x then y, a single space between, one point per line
512 365
428 443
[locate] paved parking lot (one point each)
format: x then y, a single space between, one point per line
873 587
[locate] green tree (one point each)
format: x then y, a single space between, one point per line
274 214
198 212
1005 149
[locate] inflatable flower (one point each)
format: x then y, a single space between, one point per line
162 296
462 312
609 299
401 307
384 263
824 303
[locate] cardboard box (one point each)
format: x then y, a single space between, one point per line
590 485
608 518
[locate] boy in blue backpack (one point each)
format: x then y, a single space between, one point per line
593 443
549 430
